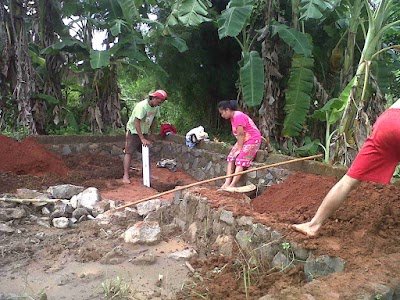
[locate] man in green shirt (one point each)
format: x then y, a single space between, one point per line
140 124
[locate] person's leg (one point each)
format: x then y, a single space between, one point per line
127 164
332 201
229 171
244 159
236 178
231 158
131 144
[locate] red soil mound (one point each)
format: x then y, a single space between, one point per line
300 193
28 157
368 221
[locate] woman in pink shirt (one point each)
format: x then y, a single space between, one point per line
248 140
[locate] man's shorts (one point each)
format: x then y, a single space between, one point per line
380 153
133 143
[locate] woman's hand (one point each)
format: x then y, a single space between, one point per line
236 153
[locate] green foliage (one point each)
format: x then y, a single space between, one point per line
199 78
308 147
252 78
315 9
297 40
330 112
383 74
49 99
397 172
17 134
116 288
69 44
234 18
189 13
300 85
378 297
178 43
129 10
99 59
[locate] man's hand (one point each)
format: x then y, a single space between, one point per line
152 137
146 142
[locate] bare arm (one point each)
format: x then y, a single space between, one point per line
152 126
139 132
240 138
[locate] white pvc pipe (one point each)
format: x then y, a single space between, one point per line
146 165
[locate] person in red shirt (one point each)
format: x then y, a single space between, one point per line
376 162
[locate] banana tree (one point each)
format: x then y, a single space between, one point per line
355 124
236 20
354 13
301 81
330 113
16 64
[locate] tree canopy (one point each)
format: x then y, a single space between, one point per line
304 70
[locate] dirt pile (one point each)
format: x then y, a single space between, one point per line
368 222
28 157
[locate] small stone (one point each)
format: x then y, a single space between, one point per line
6 229
60 223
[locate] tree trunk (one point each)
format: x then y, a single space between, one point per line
271 105
50 21
105 107
25 84
347 71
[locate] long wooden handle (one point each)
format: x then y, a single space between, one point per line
218 178
24 200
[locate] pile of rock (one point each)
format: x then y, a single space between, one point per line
60 206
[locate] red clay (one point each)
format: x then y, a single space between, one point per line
28 157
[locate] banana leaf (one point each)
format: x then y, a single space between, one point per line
298 93
297 40
49 99
178 43
252 78
315 9
189 13
99 59
67 44
232 20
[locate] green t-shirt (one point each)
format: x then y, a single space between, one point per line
146 114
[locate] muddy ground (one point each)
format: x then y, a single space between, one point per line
365 232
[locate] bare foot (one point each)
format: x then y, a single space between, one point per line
224 186
126 180
306 228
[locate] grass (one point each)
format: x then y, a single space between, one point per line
116 288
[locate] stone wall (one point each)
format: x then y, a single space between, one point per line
218 231
205 161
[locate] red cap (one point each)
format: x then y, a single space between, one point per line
159 94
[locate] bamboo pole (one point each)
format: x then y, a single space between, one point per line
24 200
218 178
